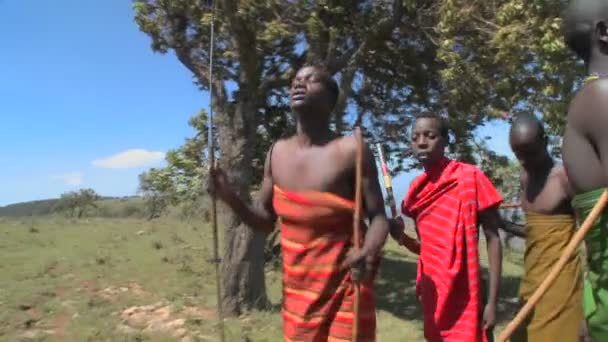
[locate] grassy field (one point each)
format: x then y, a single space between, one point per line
135 280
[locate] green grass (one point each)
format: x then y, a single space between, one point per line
55 270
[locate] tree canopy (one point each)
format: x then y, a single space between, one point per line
471 60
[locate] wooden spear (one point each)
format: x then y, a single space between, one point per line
211 152
356 228
568 251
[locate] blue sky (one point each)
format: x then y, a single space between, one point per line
86 103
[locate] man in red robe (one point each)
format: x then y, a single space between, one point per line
448 202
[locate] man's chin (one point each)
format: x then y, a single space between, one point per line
299 105
423 158
428 161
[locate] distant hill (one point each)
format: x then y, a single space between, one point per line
46 207
32 208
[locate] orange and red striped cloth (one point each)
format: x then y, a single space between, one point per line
445 202
316 234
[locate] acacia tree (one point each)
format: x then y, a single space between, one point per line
392 58
77 202
154 186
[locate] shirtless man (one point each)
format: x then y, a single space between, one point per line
585 149
309 184
550 224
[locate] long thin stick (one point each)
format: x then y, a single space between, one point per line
216 257
568 251
356 227
510 205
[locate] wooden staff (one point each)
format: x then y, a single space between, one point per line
356 228
510 205
211 152
568 251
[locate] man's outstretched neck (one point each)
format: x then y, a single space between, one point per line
313 132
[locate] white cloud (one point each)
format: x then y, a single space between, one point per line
129 159
70 178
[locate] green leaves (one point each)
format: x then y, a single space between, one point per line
183 179
472 60
77 201
509 56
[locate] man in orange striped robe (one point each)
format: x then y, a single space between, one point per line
309 185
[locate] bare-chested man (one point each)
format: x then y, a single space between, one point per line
309 184
585 150
550 224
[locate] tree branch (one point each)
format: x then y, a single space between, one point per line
178 25
380 32
281 80
202 74
244 39
482 20
277 81
346 90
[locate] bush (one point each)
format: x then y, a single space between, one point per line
131 210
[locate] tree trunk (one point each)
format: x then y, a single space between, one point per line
243 261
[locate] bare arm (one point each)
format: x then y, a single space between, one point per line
596 129
491 221
374 204
514 228
259 216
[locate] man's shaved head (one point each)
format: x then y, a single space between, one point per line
528 141
585 26
527 126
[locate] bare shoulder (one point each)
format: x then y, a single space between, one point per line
279 151
345 145
348 146
285 141
590 104
346 141
598 87
282 144
598 97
